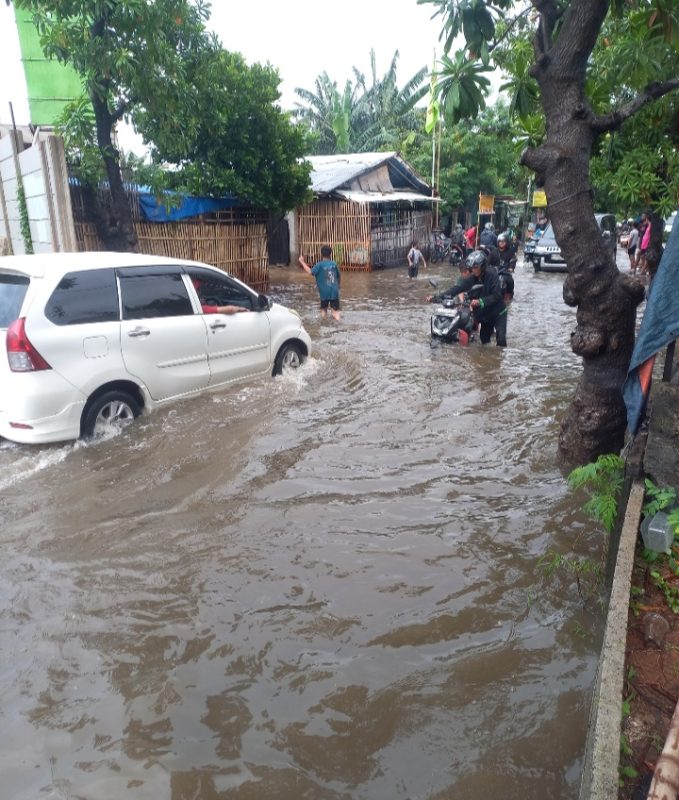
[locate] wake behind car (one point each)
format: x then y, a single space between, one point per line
92 340
547 254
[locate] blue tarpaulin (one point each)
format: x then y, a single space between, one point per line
154 211
189 206
659 327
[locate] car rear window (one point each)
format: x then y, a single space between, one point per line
153 292
82 297
13 289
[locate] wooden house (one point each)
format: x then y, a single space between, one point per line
369 207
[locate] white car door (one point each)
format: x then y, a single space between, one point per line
163 342
239 344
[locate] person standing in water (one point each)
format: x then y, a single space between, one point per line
327 276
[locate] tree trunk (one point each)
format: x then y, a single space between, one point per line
605 299
114 224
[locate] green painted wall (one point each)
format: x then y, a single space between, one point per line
50 84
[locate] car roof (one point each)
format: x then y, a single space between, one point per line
39 264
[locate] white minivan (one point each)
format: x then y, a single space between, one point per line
90 340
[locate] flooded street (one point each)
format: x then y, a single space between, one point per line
323 586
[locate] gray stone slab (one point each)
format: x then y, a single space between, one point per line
602 755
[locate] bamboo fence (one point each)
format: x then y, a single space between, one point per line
363 236
235 239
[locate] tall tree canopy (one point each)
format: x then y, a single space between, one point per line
478 156
362 117
200 108
558 74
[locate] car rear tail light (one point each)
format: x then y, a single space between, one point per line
22 356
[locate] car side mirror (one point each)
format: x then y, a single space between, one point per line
263 302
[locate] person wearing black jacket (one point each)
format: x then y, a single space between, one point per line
489 308
506 266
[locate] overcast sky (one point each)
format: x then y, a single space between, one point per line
301 38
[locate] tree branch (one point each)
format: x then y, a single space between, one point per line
510 26
549 14
578 33
122 108
609 122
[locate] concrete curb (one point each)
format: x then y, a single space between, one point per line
602 754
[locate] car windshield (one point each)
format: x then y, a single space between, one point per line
12 292
548 236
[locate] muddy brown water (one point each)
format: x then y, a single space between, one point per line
320 586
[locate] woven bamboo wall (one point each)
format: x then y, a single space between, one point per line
363 236
345 226
233 240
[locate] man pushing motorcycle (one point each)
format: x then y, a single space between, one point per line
489 308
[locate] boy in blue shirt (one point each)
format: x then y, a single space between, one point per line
327 276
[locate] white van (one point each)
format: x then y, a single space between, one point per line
90 340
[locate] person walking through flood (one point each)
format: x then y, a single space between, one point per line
489 309
415 258
327 276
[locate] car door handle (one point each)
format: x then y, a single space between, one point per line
216 325
138 331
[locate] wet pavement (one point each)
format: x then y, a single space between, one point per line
320 586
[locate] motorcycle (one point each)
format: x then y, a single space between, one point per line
445 248
453 320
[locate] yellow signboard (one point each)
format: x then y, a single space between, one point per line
539 199
486 203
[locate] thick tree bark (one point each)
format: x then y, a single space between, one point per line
114 224
605 299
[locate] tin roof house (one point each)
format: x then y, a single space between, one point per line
368 207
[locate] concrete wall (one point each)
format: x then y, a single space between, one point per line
42 167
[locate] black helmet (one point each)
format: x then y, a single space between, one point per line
477 259
503 237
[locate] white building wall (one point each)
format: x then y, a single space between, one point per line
45 180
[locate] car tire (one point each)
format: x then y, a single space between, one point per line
290 357
109 411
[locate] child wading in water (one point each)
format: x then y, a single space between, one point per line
327 276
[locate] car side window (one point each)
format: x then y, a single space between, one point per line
84 296
214 289
153 292
13 289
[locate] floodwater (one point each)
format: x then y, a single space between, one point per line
324 586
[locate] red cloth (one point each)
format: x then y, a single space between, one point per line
210 309
470 236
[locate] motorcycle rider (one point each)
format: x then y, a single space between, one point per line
506 266
507 251
488 235
489 308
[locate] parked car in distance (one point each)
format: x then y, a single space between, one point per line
547 255
92 340
669 224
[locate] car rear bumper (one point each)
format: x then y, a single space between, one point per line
45 406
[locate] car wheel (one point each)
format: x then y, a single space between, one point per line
290 357
108 412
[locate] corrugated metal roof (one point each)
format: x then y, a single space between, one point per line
329 173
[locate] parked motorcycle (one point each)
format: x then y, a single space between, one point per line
453 320
444 248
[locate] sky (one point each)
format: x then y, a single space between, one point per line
301 38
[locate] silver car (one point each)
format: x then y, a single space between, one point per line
547 256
